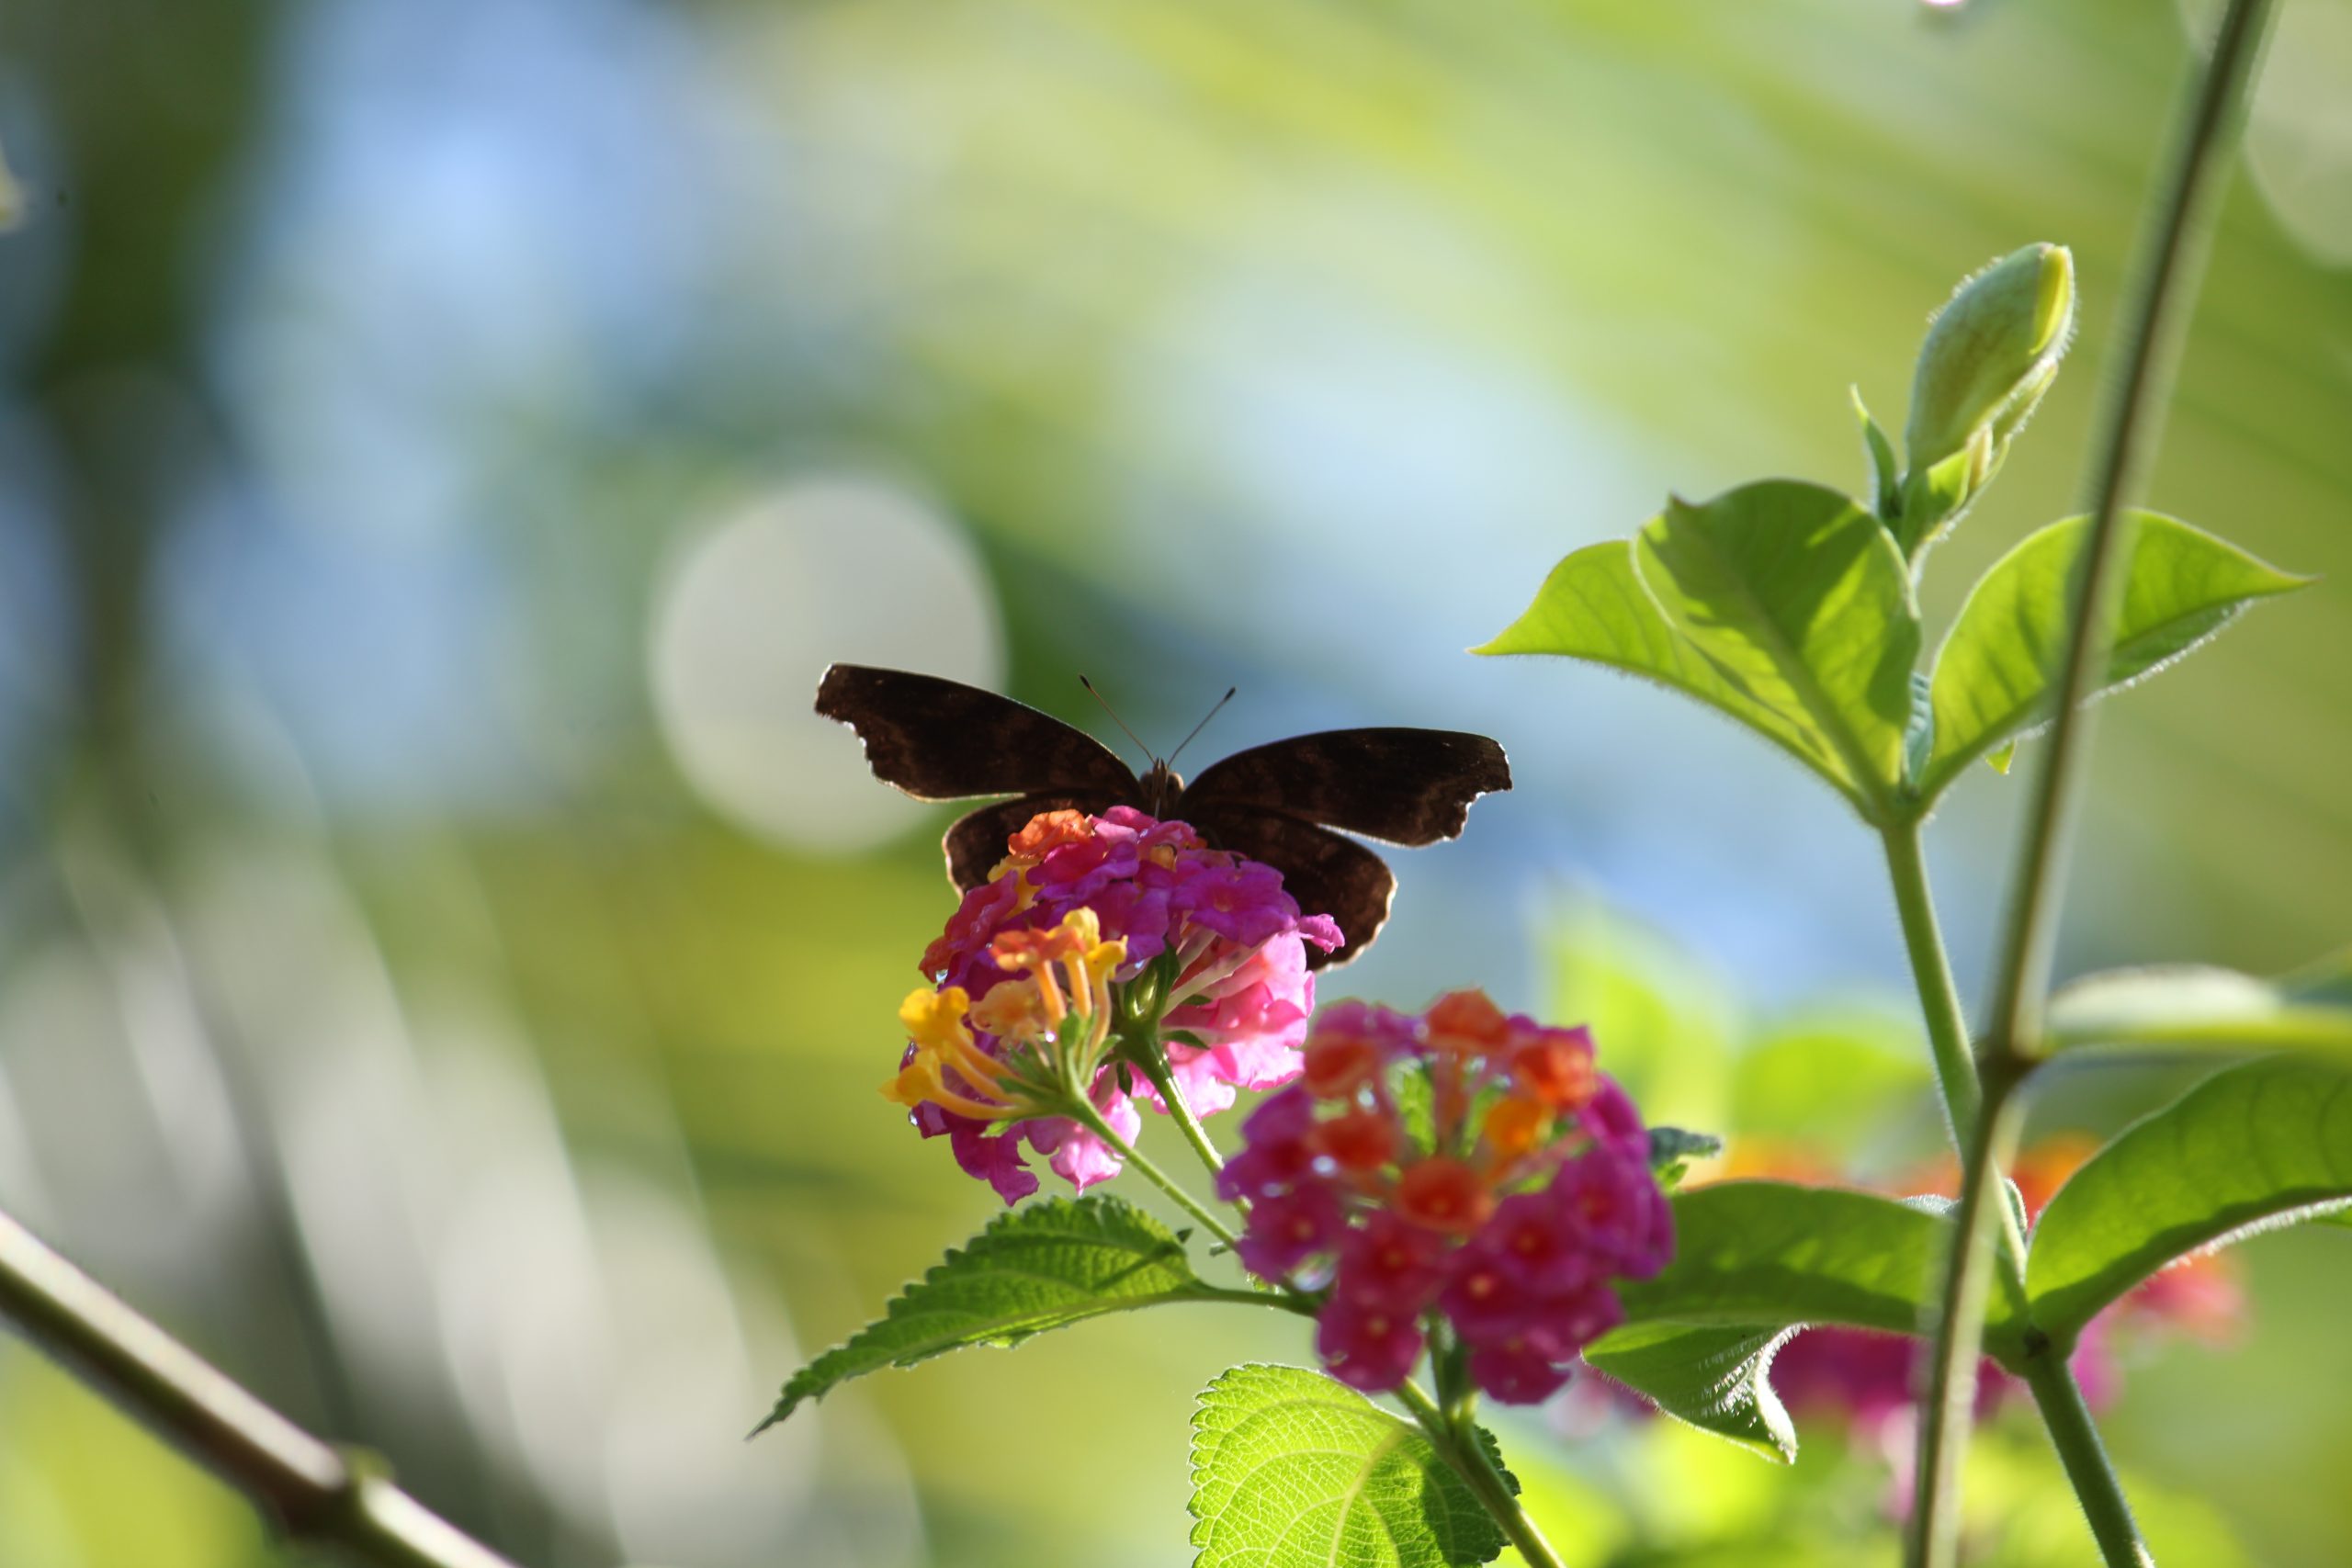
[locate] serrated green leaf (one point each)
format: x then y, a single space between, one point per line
1715 1378
2259 1145
1292 1470
1995 673
1772 1255
2196 1006
1802 602
1045 1265
1593 607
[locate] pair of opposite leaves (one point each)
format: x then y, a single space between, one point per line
940 739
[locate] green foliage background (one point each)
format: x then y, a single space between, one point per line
1287 342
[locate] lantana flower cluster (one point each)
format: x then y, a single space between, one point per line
1461 1167
1038 964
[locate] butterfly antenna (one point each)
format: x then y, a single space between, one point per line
1204 724
1116 719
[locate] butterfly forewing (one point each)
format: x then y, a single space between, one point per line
1327 873
944 740
1406 786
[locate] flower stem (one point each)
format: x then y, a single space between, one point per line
1151 1057
1083 1111
309 1489
1457 1440
2154 321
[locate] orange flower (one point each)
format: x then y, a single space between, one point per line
1555 1067
1339 1065
1360 1141
1516 1125
1445 1195
1467 1022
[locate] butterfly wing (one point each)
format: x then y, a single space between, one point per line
977 842
1327 873
1404 786
944 740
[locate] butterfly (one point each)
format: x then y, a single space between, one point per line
939 740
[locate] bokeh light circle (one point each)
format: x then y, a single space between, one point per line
753 607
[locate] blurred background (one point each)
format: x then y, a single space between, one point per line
445 968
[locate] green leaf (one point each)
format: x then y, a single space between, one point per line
1995 673
1802 602
1715 1379
2259 1145
1593 607
1291 1470
1045 1265
2197 1006
1772 1255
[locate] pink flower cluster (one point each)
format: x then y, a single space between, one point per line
1241 988
1459 1165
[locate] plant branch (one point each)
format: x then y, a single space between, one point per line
2072 1433
1082 1109
1458 1442
309 1489
1906 867
2153 320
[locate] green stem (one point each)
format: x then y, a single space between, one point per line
1949 1404
309 1489
2153 320
1298 1301
1152 1058
1457 1440
1956 1075
2075 1438
1083 1111
1906 867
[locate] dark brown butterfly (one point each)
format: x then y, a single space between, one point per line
943 740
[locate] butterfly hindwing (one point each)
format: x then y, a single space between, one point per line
1404 786
1327 873
944 740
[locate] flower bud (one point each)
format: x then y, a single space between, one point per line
1989 356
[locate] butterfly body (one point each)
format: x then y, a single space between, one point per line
939 740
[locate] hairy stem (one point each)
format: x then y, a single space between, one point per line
306 1487
1457 1439
2072 1433
2154 320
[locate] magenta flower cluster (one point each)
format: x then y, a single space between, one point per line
1502 1205
1238 943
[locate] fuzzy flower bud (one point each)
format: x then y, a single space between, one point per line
1989 356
